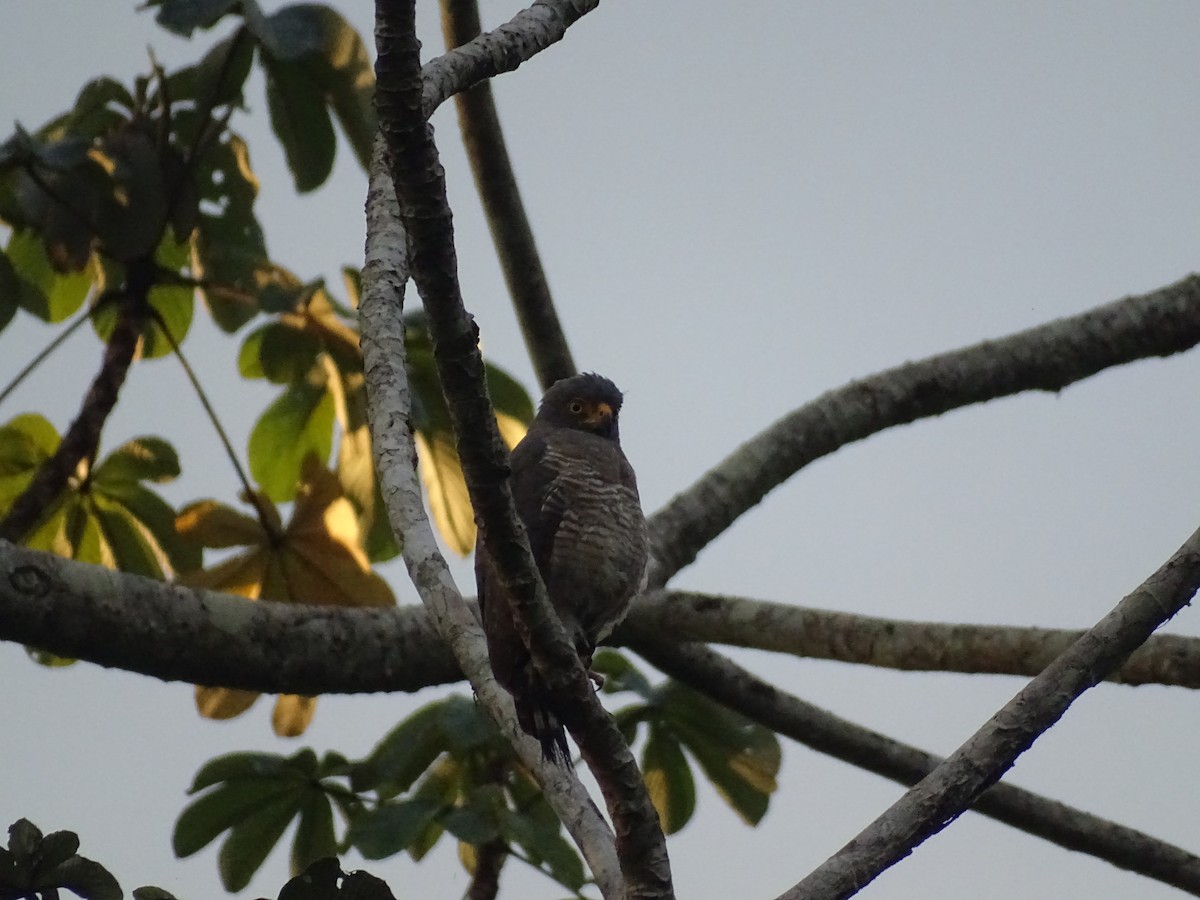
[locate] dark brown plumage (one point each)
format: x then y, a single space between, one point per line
577 495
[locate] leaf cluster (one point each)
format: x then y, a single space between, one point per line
446 770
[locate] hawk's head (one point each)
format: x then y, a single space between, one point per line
587 402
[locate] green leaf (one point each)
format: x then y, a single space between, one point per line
184 16
470 825
141 459
278 352
24 839
404 753
150 892
620 674
10 291
301 121
47 294
175 305
129 546
668 780
224 807
392 827
238 765
86 878
466 728
546 845
298 423
740 757
314 836
57 847
253 838
508 396
93 114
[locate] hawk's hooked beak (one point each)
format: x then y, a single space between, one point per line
600 414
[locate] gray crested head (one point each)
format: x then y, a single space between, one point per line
587 402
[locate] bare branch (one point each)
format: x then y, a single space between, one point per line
895 643
1046 358
389 406
528 33
511 233
954 785
1073 829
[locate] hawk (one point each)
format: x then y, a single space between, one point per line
577 495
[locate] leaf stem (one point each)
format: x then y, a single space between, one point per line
251 495
45 352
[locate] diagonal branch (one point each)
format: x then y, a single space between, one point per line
511 233
1046 358
518 40
895 643
83 437
954 785
389 409
425 214
1073 829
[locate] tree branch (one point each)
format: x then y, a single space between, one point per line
496 183
389 408
1073 829
108 618
83 437
954 785
894 643
425 214
525 35
1046 358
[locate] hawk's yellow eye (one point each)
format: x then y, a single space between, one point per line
576 407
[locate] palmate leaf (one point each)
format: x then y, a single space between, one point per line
317 559
668 779
254 797
51 296
110 518
37 865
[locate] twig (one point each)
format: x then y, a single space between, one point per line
894 643
425 214
511 233
389 406
57 342
267 522
485 880
954 785
1073 829
1046 358
518 40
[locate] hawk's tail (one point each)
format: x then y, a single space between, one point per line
539 721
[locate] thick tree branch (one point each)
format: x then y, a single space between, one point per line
185 634
1073 829
511 232
83 437
954 785
425 214
895 643
528 33
75 610
1046 358
389 407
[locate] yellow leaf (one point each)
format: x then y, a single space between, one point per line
449 503
213 524
511 429
223 703
242 574
292 714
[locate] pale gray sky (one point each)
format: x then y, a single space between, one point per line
741 206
